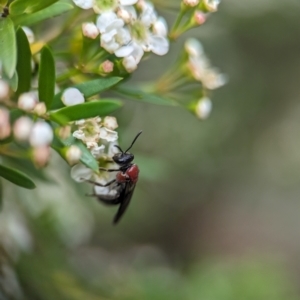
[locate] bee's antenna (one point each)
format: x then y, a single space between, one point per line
119 148
134 141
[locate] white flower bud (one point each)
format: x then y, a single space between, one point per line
72 96
81 173
129 63
106 67
27 101
191 3
40 109
90 30
199 17
203 108
73 155
211 5
4 89
22 128
40 156
5 127
29 33
41 134
64 132
110 123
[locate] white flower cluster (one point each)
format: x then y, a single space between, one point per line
200 67
98 135
127 28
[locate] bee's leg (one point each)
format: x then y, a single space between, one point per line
109 170
99 184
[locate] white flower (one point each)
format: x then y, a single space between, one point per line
200 67
81 173
22 128
41 134
27 101
90 30
97 151
203 108
72 96
111 5
88 130
110 123
108 135
108 21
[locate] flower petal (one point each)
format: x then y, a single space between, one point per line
84 4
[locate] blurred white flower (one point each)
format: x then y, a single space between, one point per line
5 127
211 5
190 3
41 134
84 4
41 155
4 90
72 96
81 173
203 108
200 67
22 128
27 101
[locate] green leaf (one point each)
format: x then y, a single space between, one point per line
52 11
8 46
135 94
19 7
86 158
16 177
3 4
88 89
86 110
24 62
46 77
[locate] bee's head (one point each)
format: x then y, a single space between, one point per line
125 158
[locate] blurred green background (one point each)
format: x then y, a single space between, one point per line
215 215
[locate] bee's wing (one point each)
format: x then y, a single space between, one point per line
125 200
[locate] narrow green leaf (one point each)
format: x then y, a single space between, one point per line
86 158
16 177
46 77
86 110
52 11
88 89
24 62
19 7
135 94
8 46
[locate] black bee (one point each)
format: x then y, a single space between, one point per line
124 183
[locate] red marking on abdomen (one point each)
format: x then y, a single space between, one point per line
133 173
